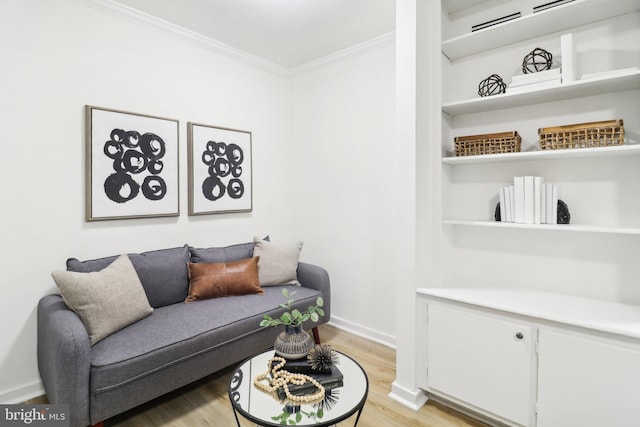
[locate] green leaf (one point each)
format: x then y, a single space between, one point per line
314 317
320 412
312 309
285 292
265 323
298 417
320 312
306 317
319 301
285 318
296 314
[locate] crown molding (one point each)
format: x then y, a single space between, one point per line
148 21
350 52
145 20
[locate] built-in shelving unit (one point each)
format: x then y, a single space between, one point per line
553 280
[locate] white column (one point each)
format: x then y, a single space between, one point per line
418 143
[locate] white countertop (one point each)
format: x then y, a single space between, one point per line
611 317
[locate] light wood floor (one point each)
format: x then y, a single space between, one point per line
205 403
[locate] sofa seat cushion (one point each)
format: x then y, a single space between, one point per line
177 332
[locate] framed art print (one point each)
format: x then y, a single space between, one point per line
131 165
220 175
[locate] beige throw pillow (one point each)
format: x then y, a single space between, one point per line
106 300
278 263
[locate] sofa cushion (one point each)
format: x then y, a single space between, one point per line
214 280
278 262
222 254
178 332
163 273
106 300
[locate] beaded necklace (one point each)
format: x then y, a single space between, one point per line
282 378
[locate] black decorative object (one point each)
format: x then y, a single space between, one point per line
496 214
537 60
322 357
492 85
563 213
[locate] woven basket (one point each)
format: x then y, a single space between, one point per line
492 143
582 135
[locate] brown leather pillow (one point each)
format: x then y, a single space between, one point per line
221 279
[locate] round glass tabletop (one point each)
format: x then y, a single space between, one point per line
342 399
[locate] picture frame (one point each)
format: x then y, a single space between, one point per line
132 165
220 170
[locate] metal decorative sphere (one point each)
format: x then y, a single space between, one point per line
537 60
492 85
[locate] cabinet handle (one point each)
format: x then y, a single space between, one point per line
519 335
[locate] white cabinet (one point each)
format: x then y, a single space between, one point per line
587 381
531 358
482 360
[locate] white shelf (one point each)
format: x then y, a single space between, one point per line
611 317
583 228
575 153
616 82
574 14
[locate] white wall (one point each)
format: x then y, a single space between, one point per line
324 161
57 56
346 198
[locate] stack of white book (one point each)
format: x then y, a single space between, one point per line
529 201
539 80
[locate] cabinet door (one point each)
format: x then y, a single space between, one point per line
483 360
587 381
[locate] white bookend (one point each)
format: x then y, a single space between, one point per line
518 201
537 199
568 55
543 204
512 211
528 199
503 205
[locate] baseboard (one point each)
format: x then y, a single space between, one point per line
22 393
414 399
363 331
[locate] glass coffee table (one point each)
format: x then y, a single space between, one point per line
268 411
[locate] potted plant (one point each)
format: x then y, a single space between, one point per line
294 342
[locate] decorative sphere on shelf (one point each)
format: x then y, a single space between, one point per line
537 60
492 85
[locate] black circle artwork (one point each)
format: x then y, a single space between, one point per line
537 60
492 85
133 154
225 168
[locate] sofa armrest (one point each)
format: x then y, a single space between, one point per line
316 277
64 358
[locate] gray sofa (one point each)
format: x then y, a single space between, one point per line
174 346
